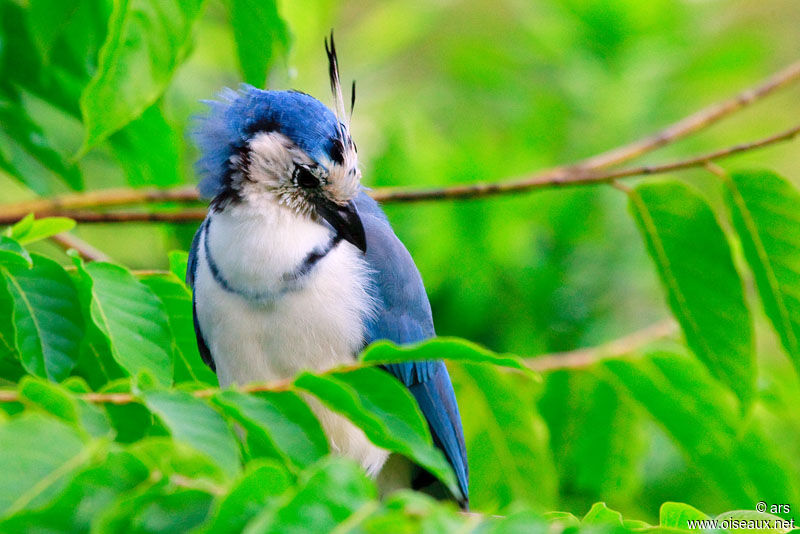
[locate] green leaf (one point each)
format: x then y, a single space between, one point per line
47 317
27 139
146 162
257 489
409 511
192 421
56 400
39 456
177 301
131 318
441 348
387 413
47 20
155 509
178 262
600 514
702 285
498 412
31 230
261 37
147 41
766 215
278 424
329 494
597 436
12 254
84 498
701 415
676 515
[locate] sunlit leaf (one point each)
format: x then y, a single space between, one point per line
676 514
132 319
441 348
39 456
699 278
147 40
32 230
83 499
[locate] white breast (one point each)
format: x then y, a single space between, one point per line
314 325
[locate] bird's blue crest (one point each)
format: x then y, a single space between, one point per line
237 116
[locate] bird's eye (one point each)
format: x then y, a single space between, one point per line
305 178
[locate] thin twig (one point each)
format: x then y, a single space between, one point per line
546 362
569 177
619 347
87 252
693 123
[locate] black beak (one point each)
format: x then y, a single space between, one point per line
344 220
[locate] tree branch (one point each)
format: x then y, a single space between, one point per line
87 252
693 123
547 362
568 177
585 357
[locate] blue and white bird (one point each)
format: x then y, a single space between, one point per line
296 268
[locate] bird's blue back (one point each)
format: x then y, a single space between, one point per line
404 316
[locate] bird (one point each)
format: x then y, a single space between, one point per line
296 267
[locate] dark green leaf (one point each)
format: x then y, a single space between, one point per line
147 40
766 215
12 253
702 417
47 317
498 411
257 489
177 301
330 493
278 425
697 272
146 162
261 37
387 413
192 421
47 19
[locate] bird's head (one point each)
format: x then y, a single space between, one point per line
282 147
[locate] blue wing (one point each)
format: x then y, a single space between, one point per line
404 316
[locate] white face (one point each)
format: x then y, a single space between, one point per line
278 170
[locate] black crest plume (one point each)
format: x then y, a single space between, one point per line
336 86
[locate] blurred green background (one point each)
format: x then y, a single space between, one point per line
465 91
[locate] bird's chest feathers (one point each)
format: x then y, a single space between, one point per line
264 317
